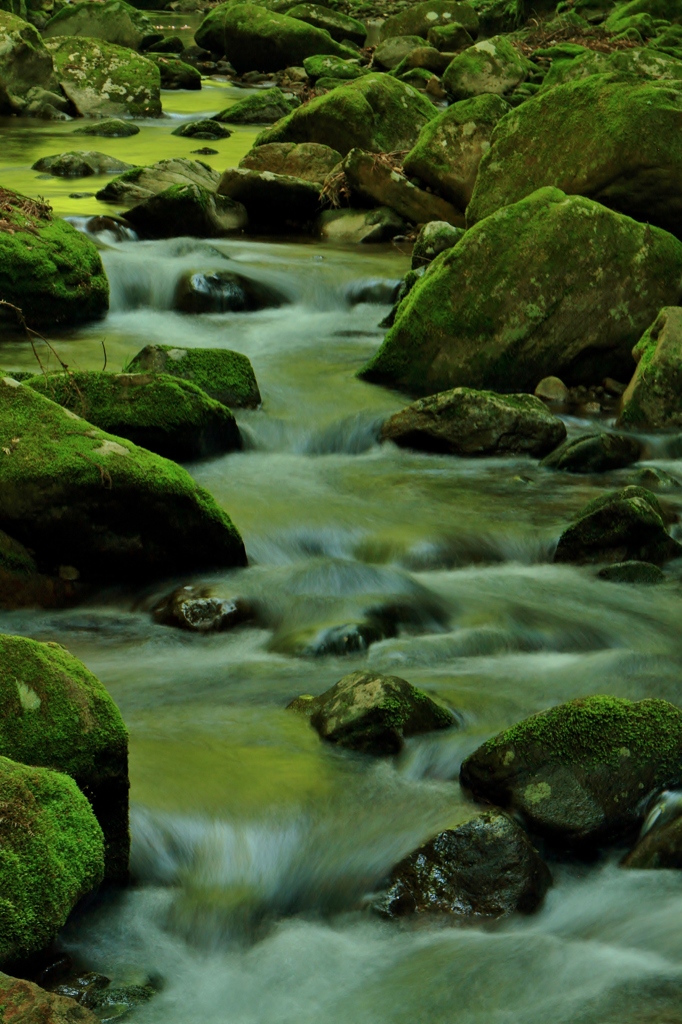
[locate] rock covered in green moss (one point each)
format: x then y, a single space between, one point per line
111 128
449 38
423 58
165 414
175 74
265 107
594 453
376 112
307 160
643 63
333 67
224 375
450 147
81 497
25 64
580 773
204 129
389 53
56 714
489 66
625 15
433 239
373 180
632 572
653 398
374 713
113 21
273 202
483 867
22 1001
104 80
52 272
569 288
187 210
419 18
80 164
599 137
51 854
255 39
467 422
620 526
339 26
143 182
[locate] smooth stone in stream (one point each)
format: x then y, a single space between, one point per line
206 129
594 453
25 64
103 80
654 479
632 572
175 74
552 389
580 774
377 291
197 610
353 227
143 182
379 182
374 713
113 128
80 164
22 1002
389 53
224 291
307 160
187 210
264 108
484 868
433 239
274 202
420 18
223 374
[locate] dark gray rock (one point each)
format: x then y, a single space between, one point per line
594 453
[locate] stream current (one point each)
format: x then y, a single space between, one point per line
255 846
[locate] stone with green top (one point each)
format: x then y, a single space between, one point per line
598 452
339 26
433 239
419 18
113 21
644 573
104 80
333 67
307 160
392 51
639 63
489 66
175 74
25 63
142 182
80 164
653 398
627 15
111 128
207 128
265 107
224 375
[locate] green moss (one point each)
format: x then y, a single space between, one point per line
102 78
490 66
225 375
114 128
263 108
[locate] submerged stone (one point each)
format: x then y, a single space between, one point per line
594 453
224 375
632 572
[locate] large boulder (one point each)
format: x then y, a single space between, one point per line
599 137
263 108
165 414
376 112
489 66
485 867
273 202
142 182
22 1002
620 526
644 63
113 21
80 164
50 271
80 497
187 210
255 39
339 26
104 80
307 160
51 854
580 774
25 64
373 713
569 287
466 422
56 714
224 375
449 148
175 74
419 18
594 453
373 180
653 398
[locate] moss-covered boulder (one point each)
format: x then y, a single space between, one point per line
80 164
489 66
483 867
373 713
187 210
641 63
307 160
175 74
338 25
450 147
142 182
165 414
624 15
579 774
569 287
206 128
333 67
50 271
111 128
644 573
56 714
389 53
449 38
599 137
113 21
51 854
625 525
264 108
78 496
224 375
23 1002
467 422
273 202
594 453
371 179
653 398
376 112
255 39
433 239
419 18
25 64
104 80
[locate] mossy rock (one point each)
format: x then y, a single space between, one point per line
114 22
339 26
207 128
224 375
419 18
187 210
569 287
21 1001
376 113
594 453
80 164
175 74
56 714
104 80
433 239
165 414
625 15
255 39
52 272
599 137
636 63
142 182
25 63
449 38
489 66
307 160
333 67
389 53
644 573
264 108
653 398
81 497
113 128
274 202
51 855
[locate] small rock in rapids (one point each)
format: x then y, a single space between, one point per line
594 453
196 610
632 572
224 291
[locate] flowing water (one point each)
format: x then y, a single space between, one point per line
256 847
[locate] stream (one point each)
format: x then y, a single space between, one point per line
255 846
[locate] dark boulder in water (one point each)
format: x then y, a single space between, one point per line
595 453
632 572
80 164
225 292
187 210
206 129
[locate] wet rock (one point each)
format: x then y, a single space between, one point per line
205 151
52 272
643 63
579 774
419 18
307 160
350 638
103 80
433 239
175 74
485 867
379 291
25 63
80 164
392 51
187 210
621 526
113 21
376 113
594 453
552 389
333 67
113 128
449 148
467 422
206 129
373 179
423 58
654 479
224 375
632 572
274 202
449 38
660 842
171 44
360 226
24 1002
80 497
489 66
143 182
339 26
164 414
252 38
373 713
225 292
653 399
51 854
196 610
264 108
576 287
58 715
